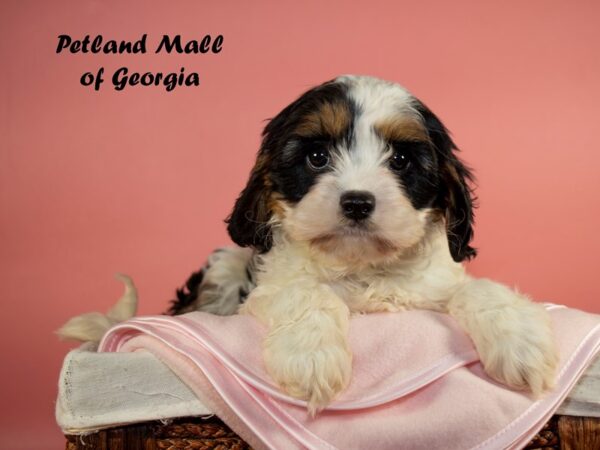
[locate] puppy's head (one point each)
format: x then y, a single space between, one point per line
356 168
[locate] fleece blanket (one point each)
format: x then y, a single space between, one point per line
417 382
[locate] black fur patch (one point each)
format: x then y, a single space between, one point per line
420 179
455 197
187 295
280 170
291 176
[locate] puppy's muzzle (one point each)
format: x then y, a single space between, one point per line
357 205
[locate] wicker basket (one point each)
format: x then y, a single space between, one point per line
562 432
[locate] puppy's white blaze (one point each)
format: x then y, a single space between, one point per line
379 99
358 169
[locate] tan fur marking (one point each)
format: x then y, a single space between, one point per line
332 120
453 173
276 206
402 129
262 163
324 242
328 242
384 246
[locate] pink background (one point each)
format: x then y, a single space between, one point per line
139 181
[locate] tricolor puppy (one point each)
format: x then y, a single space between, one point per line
359 203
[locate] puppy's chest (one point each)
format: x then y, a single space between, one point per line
378 292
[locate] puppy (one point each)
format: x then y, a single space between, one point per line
359 203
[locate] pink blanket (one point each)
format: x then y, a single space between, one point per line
416 381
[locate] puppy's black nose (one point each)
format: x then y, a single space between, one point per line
357 205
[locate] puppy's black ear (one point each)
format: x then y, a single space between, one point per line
248 223
456 199
459 204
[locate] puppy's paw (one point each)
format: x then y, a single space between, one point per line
316 375
522 354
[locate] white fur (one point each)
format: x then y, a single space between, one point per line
92 326
306 299
511 334
319 272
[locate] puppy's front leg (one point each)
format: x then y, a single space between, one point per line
306 351
512 334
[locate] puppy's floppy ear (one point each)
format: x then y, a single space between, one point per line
459 204
248 223
456 198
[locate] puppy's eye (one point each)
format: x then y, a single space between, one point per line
317 158
399 160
